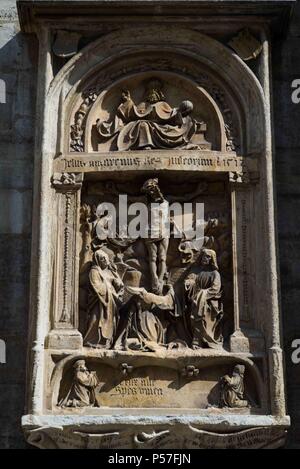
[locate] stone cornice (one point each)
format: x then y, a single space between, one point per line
61 13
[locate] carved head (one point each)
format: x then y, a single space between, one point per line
152 190
208 257
154 91
101 259
79 365
125 95
239 370
186 107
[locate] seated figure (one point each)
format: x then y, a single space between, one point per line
152 124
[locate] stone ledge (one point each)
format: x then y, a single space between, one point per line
156 417
34 11
159 430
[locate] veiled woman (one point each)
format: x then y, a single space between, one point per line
203 294
104 301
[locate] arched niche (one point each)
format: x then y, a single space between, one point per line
198 58
176 88
237 108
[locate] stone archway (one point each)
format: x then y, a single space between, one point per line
217 152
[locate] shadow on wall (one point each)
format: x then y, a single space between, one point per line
286 68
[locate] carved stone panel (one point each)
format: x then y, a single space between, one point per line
155 318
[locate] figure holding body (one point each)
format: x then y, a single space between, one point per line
104 301
82 390
152 124
203 294
232 389
145 316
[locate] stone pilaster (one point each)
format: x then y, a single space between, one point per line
64 319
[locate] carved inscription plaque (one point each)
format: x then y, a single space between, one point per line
184 161
158 387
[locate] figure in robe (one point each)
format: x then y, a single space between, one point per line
105 299
153 124
232 389
82 389
147 317
203 305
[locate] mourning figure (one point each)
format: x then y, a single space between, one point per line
82 390
204 309
232 389
152 124
146 317
105 298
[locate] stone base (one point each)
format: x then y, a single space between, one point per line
247 341
64 339
153 430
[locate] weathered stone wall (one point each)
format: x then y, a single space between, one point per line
18 59
17 69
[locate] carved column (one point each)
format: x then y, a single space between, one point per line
64 318
244 337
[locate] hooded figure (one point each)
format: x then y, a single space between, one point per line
203 306
82 390
104 301
232 388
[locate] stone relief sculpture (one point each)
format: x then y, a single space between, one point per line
152 124
147 315
134 299
105 299
157 243
203 301
82 390
232 389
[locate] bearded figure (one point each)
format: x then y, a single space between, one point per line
203 306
